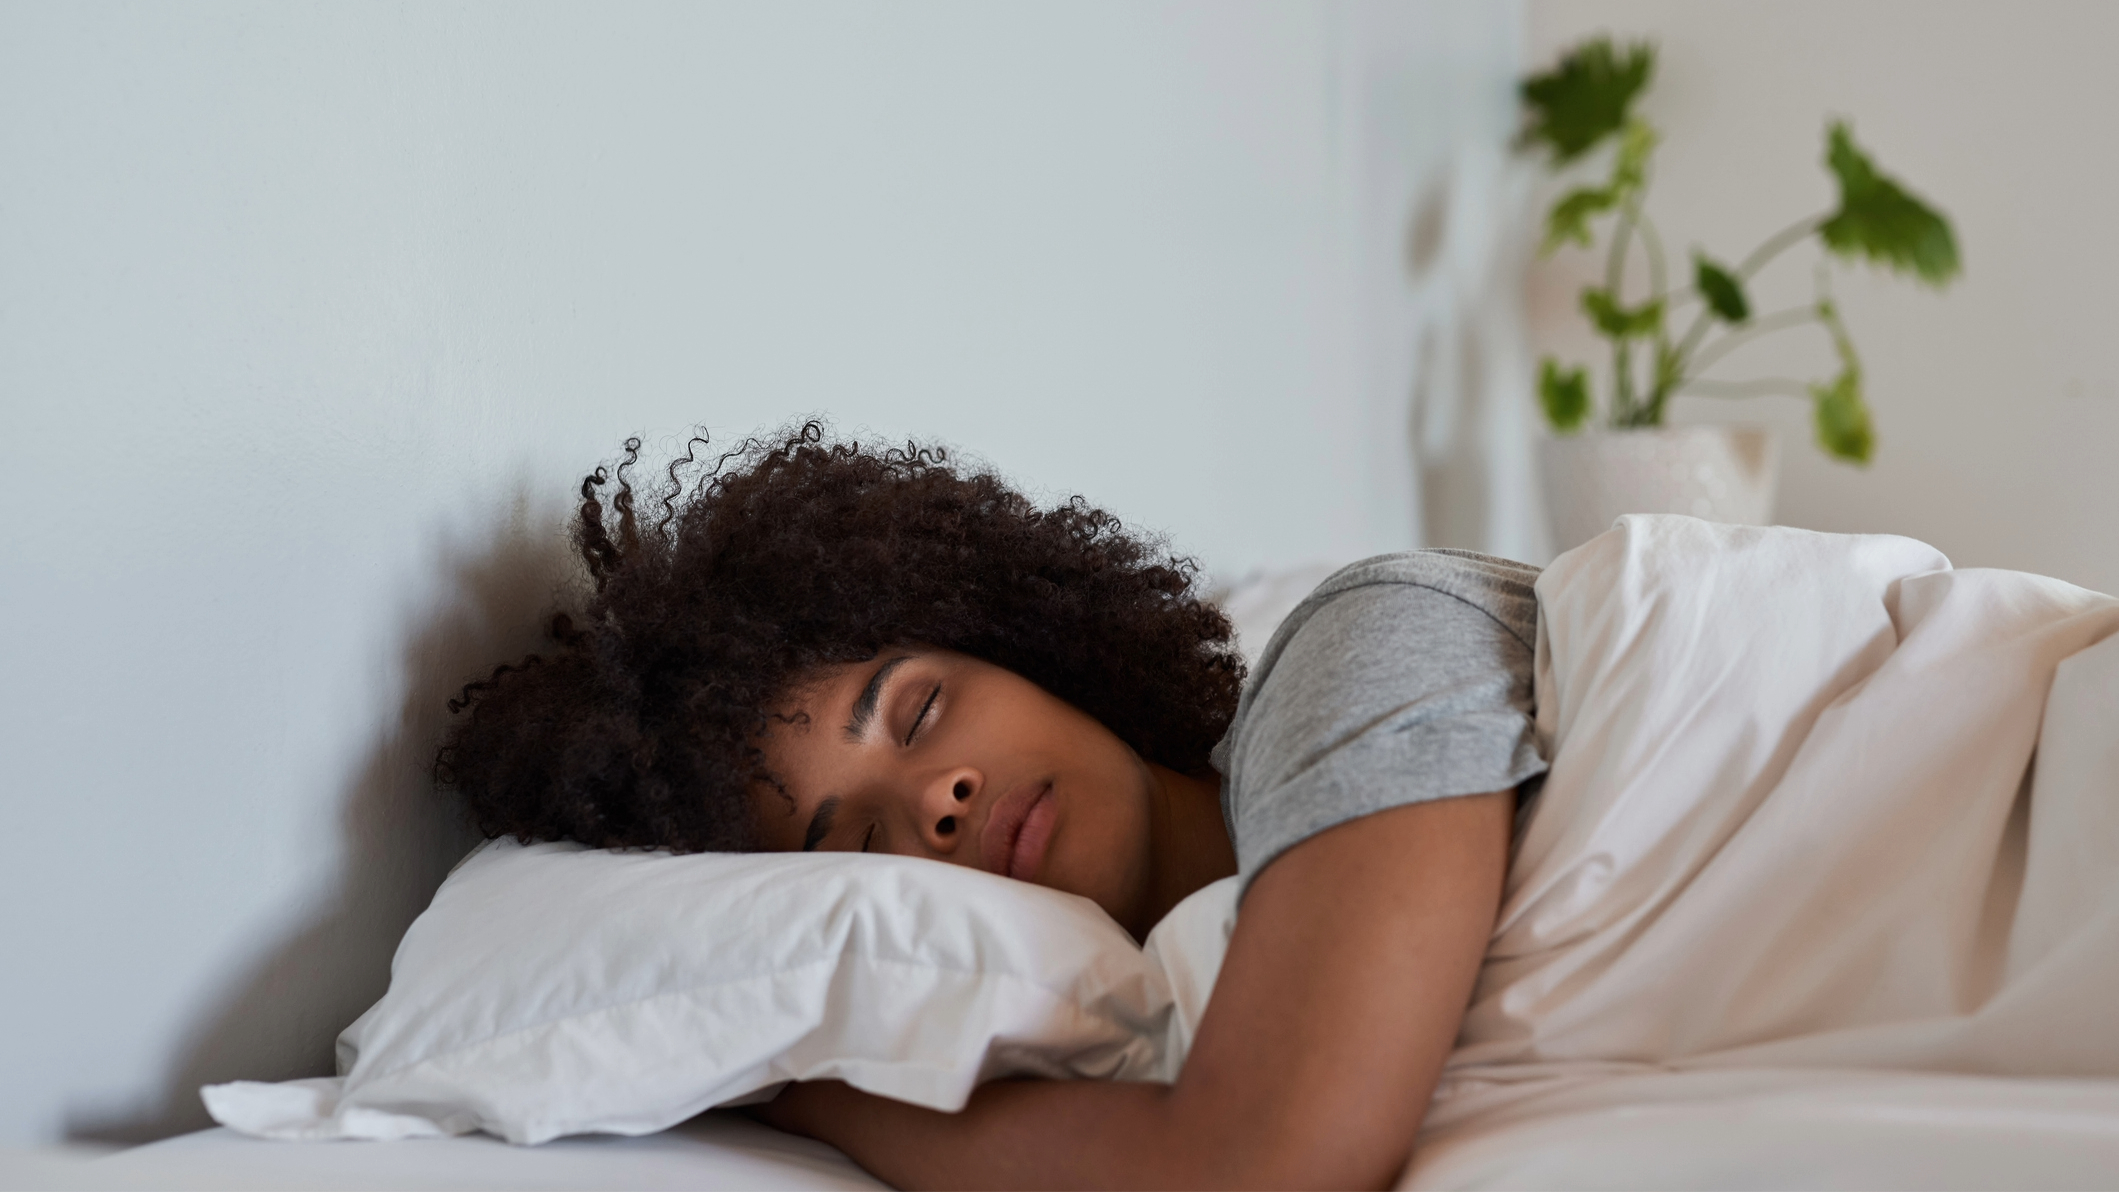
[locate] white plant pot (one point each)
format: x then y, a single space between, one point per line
1719 473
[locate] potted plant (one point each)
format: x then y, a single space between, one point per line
1582 109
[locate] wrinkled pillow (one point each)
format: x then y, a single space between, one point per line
552 989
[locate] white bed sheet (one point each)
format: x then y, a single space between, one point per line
712 1151
1733 1129
1759 1128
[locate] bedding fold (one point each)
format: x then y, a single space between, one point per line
1793 820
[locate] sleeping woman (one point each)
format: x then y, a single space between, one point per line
819 645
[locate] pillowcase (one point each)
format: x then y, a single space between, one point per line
552 989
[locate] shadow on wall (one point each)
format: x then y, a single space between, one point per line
1464 259
279 1020
1452 476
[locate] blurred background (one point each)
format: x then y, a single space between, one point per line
312 317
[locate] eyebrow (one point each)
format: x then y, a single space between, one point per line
864 708
864 714
820 824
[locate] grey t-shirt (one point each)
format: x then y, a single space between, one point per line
1402 678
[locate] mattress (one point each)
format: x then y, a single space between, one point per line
1731 1129
1763 1128
712 1151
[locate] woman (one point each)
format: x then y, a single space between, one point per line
820 646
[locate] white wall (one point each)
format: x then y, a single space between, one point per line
311 315
1997 401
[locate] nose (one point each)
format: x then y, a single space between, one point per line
943 806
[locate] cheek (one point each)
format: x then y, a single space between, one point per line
1102 853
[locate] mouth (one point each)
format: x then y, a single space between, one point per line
1013 841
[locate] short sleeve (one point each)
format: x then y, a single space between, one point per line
1402 679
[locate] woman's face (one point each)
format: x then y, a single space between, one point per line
928 753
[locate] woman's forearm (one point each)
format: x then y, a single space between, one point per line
1012 1134
1342 992
1067 1134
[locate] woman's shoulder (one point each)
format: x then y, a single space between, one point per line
1400 678
1390 587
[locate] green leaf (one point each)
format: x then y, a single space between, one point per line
1585 97
1618 322
1843 427
1723 292
1564 394
1570 216
1569 219
1882 221
1629 170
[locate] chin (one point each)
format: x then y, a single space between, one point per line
1111 872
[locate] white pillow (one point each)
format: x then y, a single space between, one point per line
552 989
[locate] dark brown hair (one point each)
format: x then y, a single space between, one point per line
781 557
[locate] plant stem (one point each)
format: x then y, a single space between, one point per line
1615 261
1779 243
1621 382
1654 244
1842 343
1692 337
1781 320
1760 257
1621 358
1661 380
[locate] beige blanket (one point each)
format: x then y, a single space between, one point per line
1818 802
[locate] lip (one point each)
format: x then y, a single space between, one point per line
1017 830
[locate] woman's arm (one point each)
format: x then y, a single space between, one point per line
1340 998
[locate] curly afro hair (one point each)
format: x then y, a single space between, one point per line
642 728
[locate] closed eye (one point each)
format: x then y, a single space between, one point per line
920 719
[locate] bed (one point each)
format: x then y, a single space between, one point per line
1798 911
711 1151
1690 1130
